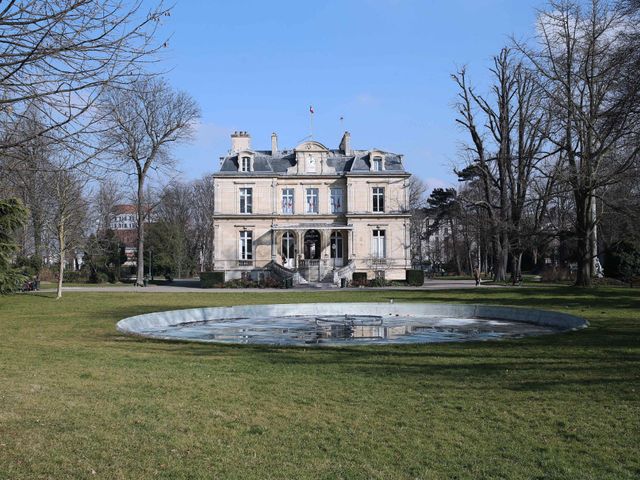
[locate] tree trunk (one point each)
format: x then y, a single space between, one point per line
516 267
583 238
500 258
454 247
594 238
62 249
140 259
37 241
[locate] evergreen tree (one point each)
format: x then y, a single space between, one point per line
13 216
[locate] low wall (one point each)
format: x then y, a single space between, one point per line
138 324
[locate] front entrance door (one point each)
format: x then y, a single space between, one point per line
288 250
312 244
337 250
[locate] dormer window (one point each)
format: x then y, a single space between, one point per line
376 165
245 164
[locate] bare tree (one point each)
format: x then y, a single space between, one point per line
69 209
417 225
108 196
142 122
588 69
58 57
506 152
487 166
27 167
203 217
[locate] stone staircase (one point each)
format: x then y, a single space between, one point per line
313 276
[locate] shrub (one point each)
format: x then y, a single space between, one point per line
415 278
623 262
359 279
211 279
77 276
608 282
271 282
241 283
380 282
556 274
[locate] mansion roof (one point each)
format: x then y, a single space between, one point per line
280 163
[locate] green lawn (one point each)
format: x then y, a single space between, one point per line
79 400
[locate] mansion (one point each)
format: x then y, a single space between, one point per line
312 213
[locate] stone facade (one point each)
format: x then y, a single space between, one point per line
319 213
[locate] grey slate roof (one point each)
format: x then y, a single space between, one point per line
265 162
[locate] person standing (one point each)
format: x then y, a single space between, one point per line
476 276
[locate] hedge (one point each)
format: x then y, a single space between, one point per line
211 279
415 278
359 278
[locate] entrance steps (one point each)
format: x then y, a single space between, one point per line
317 286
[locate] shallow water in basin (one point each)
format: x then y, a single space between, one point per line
348 330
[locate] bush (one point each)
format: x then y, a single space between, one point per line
241 283
556 274
415 278
359 279
623 262
271 282
99 277
380 282
28 265
608 282
77 276
211 279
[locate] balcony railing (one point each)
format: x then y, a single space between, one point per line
245 263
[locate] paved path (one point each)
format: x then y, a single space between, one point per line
181 286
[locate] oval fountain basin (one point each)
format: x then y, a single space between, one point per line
335 324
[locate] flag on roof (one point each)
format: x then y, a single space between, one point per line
311 109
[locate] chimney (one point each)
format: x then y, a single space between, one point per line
274 143
240 141
345 143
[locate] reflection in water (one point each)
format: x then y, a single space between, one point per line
349 330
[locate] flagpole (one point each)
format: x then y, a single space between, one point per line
311 121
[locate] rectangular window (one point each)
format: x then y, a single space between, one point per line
377 164
378 244
246 202
337 202
378 199
246 245
245 164
312 200
287 201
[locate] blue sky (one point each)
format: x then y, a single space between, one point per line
384 65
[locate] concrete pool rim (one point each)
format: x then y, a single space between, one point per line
140 324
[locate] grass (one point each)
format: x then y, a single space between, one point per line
79 400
